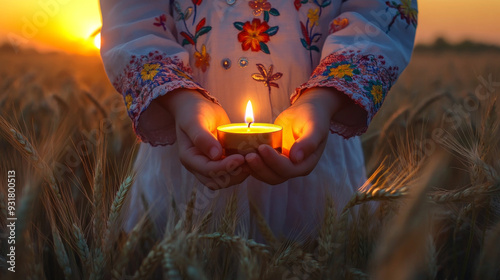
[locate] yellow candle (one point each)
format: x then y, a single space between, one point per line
244 138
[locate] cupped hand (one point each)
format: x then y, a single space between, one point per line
305 132
197 119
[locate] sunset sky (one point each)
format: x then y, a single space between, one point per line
68 24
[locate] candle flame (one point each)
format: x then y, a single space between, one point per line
249 113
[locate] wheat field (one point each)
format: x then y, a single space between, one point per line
432 154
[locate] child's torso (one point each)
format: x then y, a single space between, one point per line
232 47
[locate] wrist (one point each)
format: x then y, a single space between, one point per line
176 100
329 100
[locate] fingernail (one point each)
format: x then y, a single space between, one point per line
262 149
299 156
214 152
250 157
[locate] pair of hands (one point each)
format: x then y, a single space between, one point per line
305 131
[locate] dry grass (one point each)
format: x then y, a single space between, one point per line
430 209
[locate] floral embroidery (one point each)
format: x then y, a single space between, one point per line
310 37
196 3
268 78
160 21
405 12
377 92
298 3
338 24
181 74
163 74
149 71
342 71
259 6
366 79
202 59
255 35
313 16
128 101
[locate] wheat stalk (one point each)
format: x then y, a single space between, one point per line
116 207
149 263
261 249
61 255
327 232
205 221
188 220
22 144
466 194
98 263
375 195
144 225
264 229
156 254
98 187
228 220
432 258
81 245
169 267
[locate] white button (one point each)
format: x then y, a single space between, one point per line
230 2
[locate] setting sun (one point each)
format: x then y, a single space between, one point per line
97 40
69 25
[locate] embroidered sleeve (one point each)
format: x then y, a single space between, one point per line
369 45
144 61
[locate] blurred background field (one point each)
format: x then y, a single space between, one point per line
432 152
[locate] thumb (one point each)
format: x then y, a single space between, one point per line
204 140
310 140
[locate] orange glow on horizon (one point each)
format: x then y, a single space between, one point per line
69 25
66 25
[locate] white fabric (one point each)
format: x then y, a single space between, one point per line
129 36
291 208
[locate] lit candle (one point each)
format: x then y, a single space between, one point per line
245 138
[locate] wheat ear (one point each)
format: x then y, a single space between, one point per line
375 194
116 207
149 263
188 220
466 194
261 249
98 187
228 220
22 144
327 232
144 225
169 267
61 255
81 246
264 229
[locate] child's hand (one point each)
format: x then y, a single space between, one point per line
306 126
196 120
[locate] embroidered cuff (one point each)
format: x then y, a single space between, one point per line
144 79
364 78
